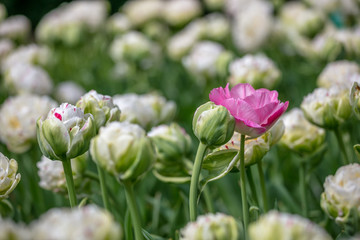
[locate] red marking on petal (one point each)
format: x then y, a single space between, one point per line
226 147
58 116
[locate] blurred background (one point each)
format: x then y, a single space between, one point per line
159 60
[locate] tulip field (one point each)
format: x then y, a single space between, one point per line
180 119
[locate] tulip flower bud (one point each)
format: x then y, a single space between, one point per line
26 78
201 62
89 222
16 28
247 17
124 150
146 110
51 173
276 132
179 12
355 95
217 27
173 144
101 107
134 47
327 108
295 16
141 12
338 72
118 23
257 70
255 148
280 226
300 135
341 196
18 117
211 226
65 133
8 176
213 125
30 54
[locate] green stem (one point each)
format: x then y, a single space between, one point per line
263 187
135 216
103 187
194 181
245 207
69 181
342 146
252 185
302 180
208 202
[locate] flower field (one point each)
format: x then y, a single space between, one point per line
181 119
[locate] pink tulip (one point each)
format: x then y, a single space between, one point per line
255 111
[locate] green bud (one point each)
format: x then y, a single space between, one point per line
340 199
9 179
327 108
173 145
101 107
213 125
124 150
355 96
300 135
276 132
211 226
65 133
257 70
282 226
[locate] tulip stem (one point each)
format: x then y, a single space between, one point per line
245 208
252 185
134 213
195 180
103 187
208 202
302 180
342 146
263 187
69 181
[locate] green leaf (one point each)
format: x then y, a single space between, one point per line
218 160
149 236
218 164
357 150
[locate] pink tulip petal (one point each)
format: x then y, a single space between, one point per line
255 111
218 95
241 110
275 115
259 99
266 111
242 128
272 94
242 90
